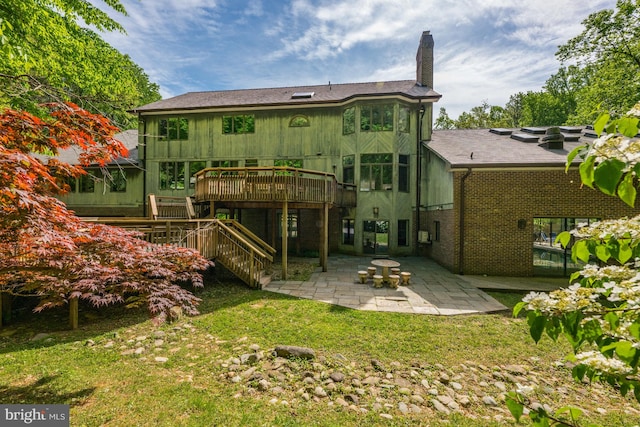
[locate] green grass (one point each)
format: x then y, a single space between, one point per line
88 370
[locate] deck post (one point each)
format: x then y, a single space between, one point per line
324 254
73 313
285 238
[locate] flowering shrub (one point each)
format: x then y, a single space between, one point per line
599 313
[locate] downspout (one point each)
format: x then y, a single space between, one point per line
143 165
420 115
461 225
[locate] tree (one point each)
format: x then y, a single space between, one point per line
608 50
444 121
46 54
599 313
483 117
47 252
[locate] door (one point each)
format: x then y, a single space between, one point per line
375 237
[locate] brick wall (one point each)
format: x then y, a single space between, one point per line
495 200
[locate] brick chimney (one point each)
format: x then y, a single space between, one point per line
424 60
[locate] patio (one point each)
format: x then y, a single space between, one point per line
433 289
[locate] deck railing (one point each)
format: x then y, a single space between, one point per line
244 254
260 184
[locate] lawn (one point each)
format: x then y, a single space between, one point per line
119 369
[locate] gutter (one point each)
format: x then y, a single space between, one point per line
461 224
420 114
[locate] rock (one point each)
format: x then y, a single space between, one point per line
489 401
416 398
425 384
248 373
403 408
371 381
139 350
500 386
444 378
290 351
249 358
263 385
464 401
440 407
352 398
337 377
254 347
42 335
386 416
141 338
340 401
109 344
158 343
377 365
415 408
456 386
161 359
319 392
404 391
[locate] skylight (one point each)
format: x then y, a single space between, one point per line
298 95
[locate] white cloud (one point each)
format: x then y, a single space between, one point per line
484 49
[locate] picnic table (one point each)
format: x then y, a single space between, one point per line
386 264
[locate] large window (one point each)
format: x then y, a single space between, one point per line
549 257
348 231
175 128
194 168
374 118
404 124
87 183
238 124
299 121
118 181
403 232
376 172
375 237
172 175
348 166
403 173
349 121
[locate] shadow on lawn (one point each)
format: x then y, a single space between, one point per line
42 390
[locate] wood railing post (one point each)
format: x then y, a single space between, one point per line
285 238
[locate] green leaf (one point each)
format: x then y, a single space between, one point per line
518 307
572 155
578 372
602 252
581 251
625 351
586 171
634 330
536 325
625 253
516 408
563 238
573 412
607 175
627 190
600 123
628 126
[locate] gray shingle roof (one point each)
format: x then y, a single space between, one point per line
493 150
322 94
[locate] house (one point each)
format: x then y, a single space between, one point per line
365 136
496 199
355 168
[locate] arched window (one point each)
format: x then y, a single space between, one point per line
299 121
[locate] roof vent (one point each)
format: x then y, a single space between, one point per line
500 131
533 130
570 129
553 139
523 137
300 95
590 133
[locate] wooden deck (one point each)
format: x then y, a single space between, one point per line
259 186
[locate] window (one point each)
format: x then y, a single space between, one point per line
175 128
299 121
291 163
404 124
118 181
348 229
403 232
87 182
292 225
348 168
251 163
172 175
436 231
403 173
376 172
374 118
238 124
349 121
195 167
224 164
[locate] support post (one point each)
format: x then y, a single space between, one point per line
324 254
285 237
73 313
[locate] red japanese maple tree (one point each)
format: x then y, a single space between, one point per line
48 252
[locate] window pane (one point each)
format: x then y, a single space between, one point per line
195 167
348 229
388 117
173 128
365 118
249 124
404 124
238 124
299 121
349 121
163 128
376 118
118 181
403 232
183 128
227 124
365 177
87 182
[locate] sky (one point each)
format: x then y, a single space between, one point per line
485 50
